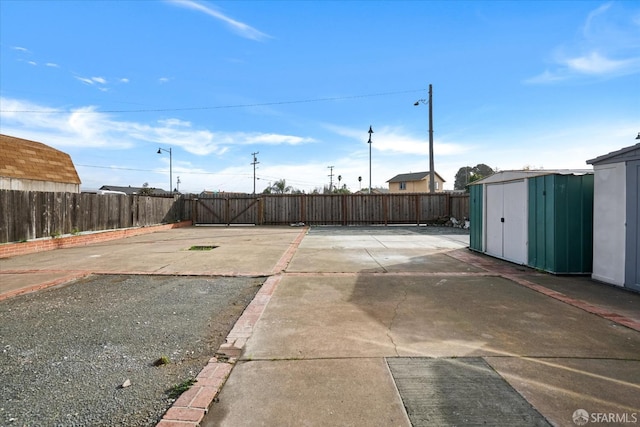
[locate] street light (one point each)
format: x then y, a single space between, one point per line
370 132
160 150
432 178
638 137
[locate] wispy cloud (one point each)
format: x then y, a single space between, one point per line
397 140
99 82
607 48
272 139
240 28
52 65
87 127
163 80
20 49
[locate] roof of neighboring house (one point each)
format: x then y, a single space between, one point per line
21 158
624 154
132 190
504 176
415 176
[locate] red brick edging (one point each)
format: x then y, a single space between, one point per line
511 273
23 248
193 404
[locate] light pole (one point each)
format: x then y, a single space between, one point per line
160 150
370 132
432 178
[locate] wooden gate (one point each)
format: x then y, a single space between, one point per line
218 210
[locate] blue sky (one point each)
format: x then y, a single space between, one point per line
541 84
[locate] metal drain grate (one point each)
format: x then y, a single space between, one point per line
202 248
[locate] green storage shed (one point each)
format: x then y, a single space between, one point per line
541 218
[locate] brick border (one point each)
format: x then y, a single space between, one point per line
59 281
193 404
512 273
23 248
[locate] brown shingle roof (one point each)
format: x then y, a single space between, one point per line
21 158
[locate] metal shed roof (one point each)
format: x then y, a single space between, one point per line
622 155
515 175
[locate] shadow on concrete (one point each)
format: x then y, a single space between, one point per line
450 331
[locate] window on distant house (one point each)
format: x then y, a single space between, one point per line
437 185
403 185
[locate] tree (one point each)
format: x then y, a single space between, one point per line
468 174
145 190
278 187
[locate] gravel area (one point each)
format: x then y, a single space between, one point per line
66 352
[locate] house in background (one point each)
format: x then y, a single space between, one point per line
417 182
32 166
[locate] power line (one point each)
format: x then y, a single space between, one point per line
158 171
218 107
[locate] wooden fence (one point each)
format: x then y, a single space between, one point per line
329 209
26 215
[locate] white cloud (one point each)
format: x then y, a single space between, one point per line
587 28
87 127
32 63
52 65
238 27
92 80
607 48
85 80
163 80
594 63
124 80
397 140
20 49
271 139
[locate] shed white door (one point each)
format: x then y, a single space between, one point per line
507 221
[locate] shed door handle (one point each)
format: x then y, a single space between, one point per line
501 219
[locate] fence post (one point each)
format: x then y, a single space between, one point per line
344 209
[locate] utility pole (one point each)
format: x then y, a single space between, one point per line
330 178
254 163
432 173
370 132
